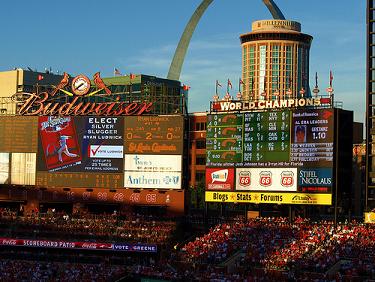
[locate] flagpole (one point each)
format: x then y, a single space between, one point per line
216 88
239 85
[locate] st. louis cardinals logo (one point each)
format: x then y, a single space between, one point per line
81 85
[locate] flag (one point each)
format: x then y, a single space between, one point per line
330 78
117 72
241 82
217 83
132 76
229 84
40 77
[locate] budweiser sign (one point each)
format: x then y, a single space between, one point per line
41 104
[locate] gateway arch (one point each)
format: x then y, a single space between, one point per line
179 55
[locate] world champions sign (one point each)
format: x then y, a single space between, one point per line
42 104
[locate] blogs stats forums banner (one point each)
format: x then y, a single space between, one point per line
269 198
85 144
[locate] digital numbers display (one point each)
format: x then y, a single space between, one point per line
300 136
249 137
19 134
313 138
153 135
224 138
79 180
266 136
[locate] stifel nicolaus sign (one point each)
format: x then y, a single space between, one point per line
40 103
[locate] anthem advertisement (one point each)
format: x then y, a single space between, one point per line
153 171
285 151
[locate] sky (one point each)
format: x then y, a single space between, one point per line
140 37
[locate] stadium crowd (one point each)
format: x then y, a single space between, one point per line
22 270
273 247
133 228
261 249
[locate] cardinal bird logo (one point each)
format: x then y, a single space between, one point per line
100 83
327 114
64 82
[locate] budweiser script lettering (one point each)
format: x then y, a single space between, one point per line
40 105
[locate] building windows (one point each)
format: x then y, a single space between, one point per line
200 160
200 126
275 68
200 177
201 144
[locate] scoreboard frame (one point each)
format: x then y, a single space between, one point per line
308 171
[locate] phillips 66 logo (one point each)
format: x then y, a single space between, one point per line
245 178
265 179
287 178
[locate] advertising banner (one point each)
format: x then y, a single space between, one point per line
81 144
269 198
143 248
266 179
125 247
59 143
102 143
369 217
220 179
152 171
315 180
152 180
153 163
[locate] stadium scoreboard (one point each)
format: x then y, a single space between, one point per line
282 156
249 137
92 151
